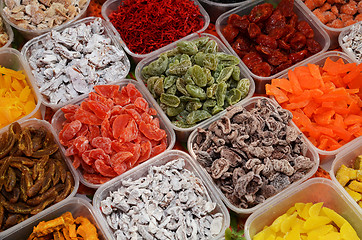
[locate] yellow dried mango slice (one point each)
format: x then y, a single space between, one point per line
355 195
356 186
335 217
348 233
315 209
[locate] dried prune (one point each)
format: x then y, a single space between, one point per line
261 12
298 41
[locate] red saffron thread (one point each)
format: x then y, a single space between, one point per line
147 25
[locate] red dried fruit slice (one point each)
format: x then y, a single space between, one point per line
107 91
121 99
141 103
156 122
99 108
135 115
83 131
99 154
69 117
72 150
152 111
132 92
117 110
106 129
130 133
81 143
147 118
146 148
107 101
120 124
103 143
86 158
95 178
70 130
151 131
159 149
70 108
132 106
117 161
84 106
76 161
87 117
136 155
119 146
87 168
104 169
94 132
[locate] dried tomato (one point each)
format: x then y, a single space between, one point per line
264 50
230 32
306 29
241 46
251 59
298 56
277 58
282 66
286 7
265 40
298 41
239 22
262 69
313 46
293 20
283 45
253 30
261 12
274 26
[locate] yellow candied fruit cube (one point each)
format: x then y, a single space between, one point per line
345 174
278 222
348 233
288 223
358 163
335 217
315 222
315 209
356 186
359 175
320 231
294 234
305 212
330 236
355 195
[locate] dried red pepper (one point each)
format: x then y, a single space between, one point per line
147 25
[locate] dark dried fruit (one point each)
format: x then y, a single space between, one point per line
253 30
262 69
261 12
306 29
298 41
265 40
251 59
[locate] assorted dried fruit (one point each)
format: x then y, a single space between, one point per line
325 101
69 63
352 41
4 37
33 174
110 132
65 227
16 96
39 15
194 81
336 13
351 179
170 202
252 152
309 221
270 40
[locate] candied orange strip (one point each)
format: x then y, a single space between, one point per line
282 83
294 83
279 94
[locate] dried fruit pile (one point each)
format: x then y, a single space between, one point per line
325 101
4 37
351 179
352 41
33 174
270 40
111 132
336 13
252 154
309 221
16 96
65 227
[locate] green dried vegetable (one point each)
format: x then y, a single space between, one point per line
197 83
169 100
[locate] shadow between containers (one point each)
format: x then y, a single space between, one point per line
245 212
183 133
112 5
110 32
37 124
321 36
29 34
77 206
319 59
142 170
314 190
58 120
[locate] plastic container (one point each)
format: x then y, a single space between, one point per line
215 9
311 153
35 123
112 5
142 170
333 33
183 133
314 190
319 35
346 157
10 33
345 32
29 34
77 206
319 59
12 59
109 32
58 120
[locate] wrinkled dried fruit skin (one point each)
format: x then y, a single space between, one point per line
270 29
27 180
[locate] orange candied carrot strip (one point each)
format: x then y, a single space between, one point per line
325 130
300 98
341 133
282 83
338 121
352 119
310 108
300 119
315 72
297 105
356 82
338 68
352 75
355 129
337 94
340 107
323 116
306 80
295 83
276 92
